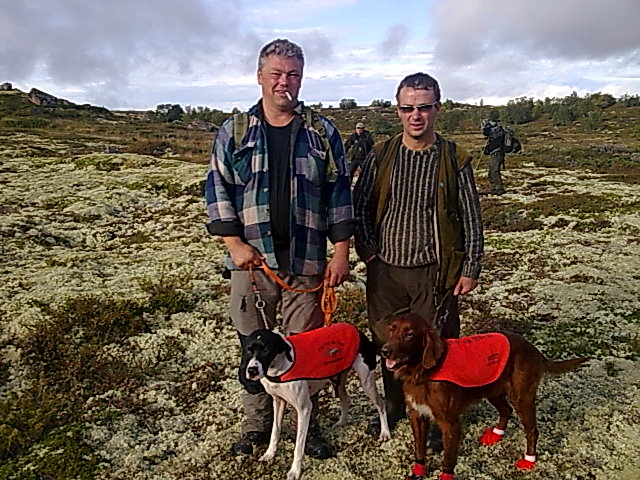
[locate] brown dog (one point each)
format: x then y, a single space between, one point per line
442 378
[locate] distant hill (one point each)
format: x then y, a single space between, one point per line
597 132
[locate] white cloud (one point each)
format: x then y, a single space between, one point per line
469 31
138 53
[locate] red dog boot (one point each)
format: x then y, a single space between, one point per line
445 476
491 436
417 471
526 463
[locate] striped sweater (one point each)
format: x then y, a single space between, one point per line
407 230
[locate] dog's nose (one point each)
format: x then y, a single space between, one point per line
385 351
252 371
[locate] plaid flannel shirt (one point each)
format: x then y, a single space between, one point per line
237 193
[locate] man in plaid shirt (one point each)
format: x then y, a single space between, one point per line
277 196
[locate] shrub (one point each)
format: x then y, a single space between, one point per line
348 104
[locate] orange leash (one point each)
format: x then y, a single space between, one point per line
328 299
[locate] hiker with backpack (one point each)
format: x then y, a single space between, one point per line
277 191
361 142
418 229
500 140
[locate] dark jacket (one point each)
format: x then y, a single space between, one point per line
494 134
450 234
362 145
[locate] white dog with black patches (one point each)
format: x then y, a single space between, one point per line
292 369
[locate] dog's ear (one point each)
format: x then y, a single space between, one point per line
433 348
284 347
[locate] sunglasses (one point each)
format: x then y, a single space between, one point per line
425 107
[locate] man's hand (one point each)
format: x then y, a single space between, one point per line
465 285
337 269
242 254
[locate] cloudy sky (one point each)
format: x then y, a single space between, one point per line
136 54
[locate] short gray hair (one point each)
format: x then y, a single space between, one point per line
420 81
282 48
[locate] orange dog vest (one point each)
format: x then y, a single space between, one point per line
322 353
474 361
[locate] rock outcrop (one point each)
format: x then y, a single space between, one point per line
46 100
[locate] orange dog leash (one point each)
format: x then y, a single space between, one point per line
328 299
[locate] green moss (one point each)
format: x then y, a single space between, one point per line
512 217
66 365
24 123
168 293
65 352
589 338
62 454
479 317
352 307
113 162
593 225
507 217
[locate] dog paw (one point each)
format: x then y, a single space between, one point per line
490 437
293 474
524 464
267 456
417 472
384 436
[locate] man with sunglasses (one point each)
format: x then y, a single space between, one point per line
418 227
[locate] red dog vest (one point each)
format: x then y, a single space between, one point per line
323 352
474 361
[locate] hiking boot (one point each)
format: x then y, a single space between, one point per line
245 445
317 447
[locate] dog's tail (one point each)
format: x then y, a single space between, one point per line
552 367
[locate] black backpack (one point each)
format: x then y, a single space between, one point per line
511 143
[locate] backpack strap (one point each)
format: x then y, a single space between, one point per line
314 120
240 127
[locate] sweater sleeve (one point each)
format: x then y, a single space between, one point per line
365 242
472 223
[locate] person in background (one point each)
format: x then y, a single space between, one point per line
360 143
418 226
272 198
495 135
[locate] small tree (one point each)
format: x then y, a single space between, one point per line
380 125
449 120
381 103
593 121
167 112
519 111
348 104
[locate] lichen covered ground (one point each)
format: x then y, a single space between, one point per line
118 360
